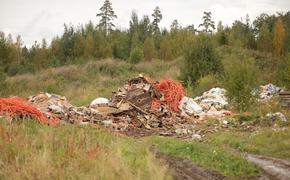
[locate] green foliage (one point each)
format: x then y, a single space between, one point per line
222 35
136 55
264 41
200 60
241 35
3 84
149 49
208 24
107 15
157 17
283 71
206 83
165 49
91 42
240 79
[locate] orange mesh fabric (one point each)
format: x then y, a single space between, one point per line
173 93
14 107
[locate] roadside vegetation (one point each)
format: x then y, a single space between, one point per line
29 150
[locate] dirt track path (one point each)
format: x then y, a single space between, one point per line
183 169
275 168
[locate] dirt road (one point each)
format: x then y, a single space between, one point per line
277 169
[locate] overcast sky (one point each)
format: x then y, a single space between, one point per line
37 19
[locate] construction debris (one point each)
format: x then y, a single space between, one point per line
268 91
100 101
62 109
15 107
214 98
141 104
189 107
212 103
276 116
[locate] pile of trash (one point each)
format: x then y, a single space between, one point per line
212 103
268 91
141 104
58 107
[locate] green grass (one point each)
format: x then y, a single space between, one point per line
29 150
266 141
208 155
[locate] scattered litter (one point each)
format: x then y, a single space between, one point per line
268 91
189 107
215 97
99 101
276 116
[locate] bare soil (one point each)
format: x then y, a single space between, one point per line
183 169
277 169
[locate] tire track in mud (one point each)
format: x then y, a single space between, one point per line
183 169
277 169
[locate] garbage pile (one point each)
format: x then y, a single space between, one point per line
57 106
268 91
141 104
212 103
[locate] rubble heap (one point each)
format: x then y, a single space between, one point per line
141 104
212 103
59 107
268 91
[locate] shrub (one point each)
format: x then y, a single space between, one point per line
240 79
3 84
200 60
283 72
136 55
205 83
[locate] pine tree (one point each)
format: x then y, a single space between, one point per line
264 42
157 17
279 37
208 24
175 25
107 16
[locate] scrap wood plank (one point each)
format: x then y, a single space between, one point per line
285 99
139 98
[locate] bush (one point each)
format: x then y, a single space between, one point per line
3 84
136 55
240 79
283 72
205 83
200 60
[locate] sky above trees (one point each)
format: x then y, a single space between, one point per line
37 19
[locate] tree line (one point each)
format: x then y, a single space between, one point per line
144 40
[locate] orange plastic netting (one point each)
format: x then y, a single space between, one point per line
15 107
173 93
